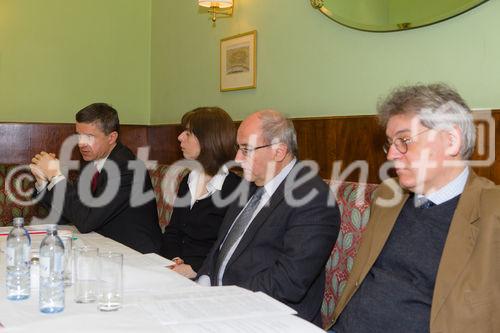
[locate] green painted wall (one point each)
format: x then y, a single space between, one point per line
57 56
310 66
156 59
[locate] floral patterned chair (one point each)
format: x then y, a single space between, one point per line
16 186
354 203
166 181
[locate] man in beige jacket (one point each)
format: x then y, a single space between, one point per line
429 260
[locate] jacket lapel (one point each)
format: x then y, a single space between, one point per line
459 244
231 214
258 221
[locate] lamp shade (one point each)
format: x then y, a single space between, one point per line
218 4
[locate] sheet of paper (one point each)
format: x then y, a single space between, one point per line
203 304
289 324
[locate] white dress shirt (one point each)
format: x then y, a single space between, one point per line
213 185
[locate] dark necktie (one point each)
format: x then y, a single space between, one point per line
424 203
93 183
238 228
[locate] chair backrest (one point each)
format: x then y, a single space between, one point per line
354 201
16 188
166 181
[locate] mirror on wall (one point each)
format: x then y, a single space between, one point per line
392 15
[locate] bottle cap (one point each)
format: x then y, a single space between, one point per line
51 227
18 221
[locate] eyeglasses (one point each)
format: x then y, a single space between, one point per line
401 144
246 151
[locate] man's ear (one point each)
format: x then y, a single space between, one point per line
280 152
112 137
454 141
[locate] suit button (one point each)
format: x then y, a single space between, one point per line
356 284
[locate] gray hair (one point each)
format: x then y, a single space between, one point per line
277 128
437 105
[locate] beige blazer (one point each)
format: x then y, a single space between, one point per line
467 291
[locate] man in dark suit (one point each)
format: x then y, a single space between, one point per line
279 242
111 184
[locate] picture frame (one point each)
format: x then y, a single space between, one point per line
238 62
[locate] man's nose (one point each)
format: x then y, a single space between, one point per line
239 158
82 142
393 153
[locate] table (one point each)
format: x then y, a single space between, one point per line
156 299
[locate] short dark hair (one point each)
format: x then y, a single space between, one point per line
103 114
216 133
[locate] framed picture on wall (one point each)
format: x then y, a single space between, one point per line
238 65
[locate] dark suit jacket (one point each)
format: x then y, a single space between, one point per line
192 232
136 227
284 250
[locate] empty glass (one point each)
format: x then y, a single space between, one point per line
68 258
110 282
85 270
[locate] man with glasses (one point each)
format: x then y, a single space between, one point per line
279 241
429 259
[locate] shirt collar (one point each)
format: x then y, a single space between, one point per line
99 164
214 184
450 190
273 184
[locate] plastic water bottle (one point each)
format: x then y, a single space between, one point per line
18 261
51 272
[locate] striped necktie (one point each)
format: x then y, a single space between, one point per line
238 228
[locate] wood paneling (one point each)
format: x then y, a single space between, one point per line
49 138
21 141
14 143
325 140
164 144
134 135
341 139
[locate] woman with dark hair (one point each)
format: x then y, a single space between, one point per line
209 137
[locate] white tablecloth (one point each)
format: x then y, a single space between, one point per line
150 291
